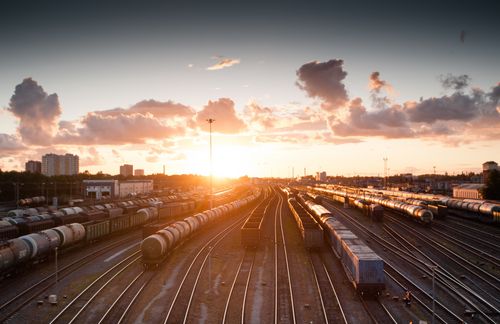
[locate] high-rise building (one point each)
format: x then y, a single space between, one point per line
488 167
126 170
139 172
321 176
33 166
53 164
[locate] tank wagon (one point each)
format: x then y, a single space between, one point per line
156 248
310 230
364 268
39 245
481 210
34 247
417 213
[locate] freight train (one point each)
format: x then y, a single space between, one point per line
33 248
482 210
418 213
31 220
156 247
364 267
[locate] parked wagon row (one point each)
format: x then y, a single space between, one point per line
310 230
155 248
251 229
31 220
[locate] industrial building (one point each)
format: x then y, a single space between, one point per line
126 170
468 191
138 172
98 189
33 166
53 164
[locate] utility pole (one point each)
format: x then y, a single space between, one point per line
385 172
210 121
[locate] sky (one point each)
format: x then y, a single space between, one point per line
293 86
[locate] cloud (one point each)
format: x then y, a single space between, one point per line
226 120
453 82
91 157
37 112
116 154
462 36
119 129
455 107
376 84
223 63
390 122
294 138
263 117
167 109
10 144
450 119
324 80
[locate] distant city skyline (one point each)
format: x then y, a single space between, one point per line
326 86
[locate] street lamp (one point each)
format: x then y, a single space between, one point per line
210 121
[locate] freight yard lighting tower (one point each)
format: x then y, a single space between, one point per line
210 122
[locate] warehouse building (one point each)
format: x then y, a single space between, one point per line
468 191
99 189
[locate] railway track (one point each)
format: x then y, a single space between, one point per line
284 308
235 306
472 234
179 310
443 312
72 311
17 302
331 306
481 297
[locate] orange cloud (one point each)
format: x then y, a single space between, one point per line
226 120
223 63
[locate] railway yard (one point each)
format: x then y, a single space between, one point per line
271 254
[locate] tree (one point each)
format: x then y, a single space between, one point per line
492 188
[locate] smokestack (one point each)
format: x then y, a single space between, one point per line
304 172
293 171
164 169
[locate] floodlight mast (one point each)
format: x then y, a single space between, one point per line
210 122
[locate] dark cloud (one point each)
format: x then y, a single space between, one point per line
390 122
324 80
455 82
462 36
226 120
376 84
455 107
37 112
